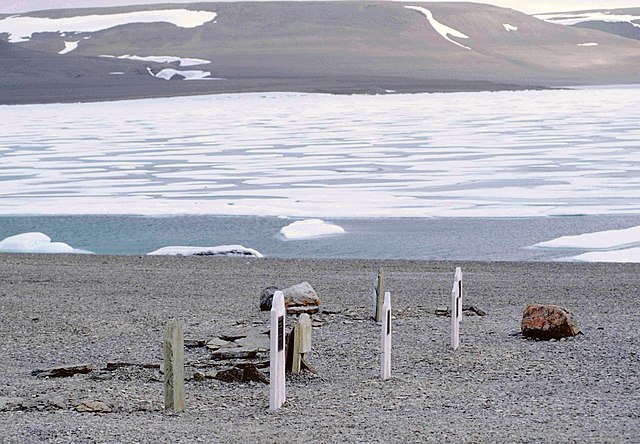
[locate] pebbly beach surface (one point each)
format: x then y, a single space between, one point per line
498 387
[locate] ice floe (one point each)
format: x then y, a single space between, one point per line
69 46
444 30
36 243
509 27
221 250
574 18
629 255
181 61
600 240
168 73
588 44
22 27
310 228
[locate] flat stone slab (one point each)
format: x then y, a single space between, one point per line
63 371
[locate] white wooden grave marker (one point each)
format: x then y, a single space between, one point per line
277 357
385 358
173 350
456 309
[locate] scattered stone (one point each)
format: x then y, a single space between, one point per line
8 404
101 376
111 366
468 310
317 323
331 311
93 407
233 374
237 374
259 342
253 374
546 322
217 343
257 364
233 336
62 371
194 343
266 297
308 309
199 376
234 353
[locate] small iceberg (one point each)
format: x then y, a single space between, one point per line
310 228
627 255
600 240
36 243
221 250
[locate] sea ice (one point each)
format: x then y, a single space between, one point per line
599 240
69 46
35 243
21 27
221 250
631 255
444 30
310 228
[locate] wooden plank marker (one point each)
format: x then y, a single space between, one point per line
385 358
277 369
301 343
456 309
378 297
173 349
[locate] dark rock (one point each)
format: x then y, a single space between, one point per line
62 371
232 374
251 373
217 343
8 404
266 298
468 310
309 309
232 336
194 343
234 353
547 322
111 366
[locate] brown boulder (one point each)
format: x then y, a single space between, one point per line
547 322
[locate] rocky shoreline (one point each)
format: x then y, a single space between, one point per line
110 311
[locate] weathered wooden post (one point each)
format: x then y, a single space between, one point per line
173 349
385 357
456 309
378 295
301 342
277 369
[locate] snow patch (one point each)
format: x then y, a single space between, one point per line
310 228
509 27
69 46
221 250
36 243
21 28
168 73
630 255
575 18
444 30
182 61
598 240
588 44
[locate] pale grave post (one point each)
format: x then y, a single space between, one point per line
277 358
301 342
378 293
173 349
456 309
385 358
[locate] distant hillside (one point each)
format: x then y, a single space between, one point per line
338 47
623 22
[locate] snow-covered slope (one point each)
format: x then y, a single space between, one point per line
353 47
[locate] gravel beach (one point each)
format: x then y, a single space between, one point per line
498 387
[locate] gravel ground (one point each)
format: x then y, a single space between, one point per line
498 387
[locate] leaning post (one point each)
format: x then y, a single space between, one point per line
277 356
173 350
456 309
378 294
